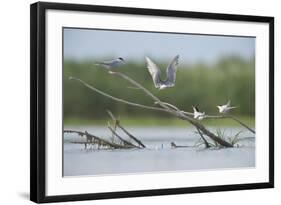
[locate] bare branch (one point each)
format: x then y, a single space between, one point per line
187 113
231 117
118 124
166 109
115 98
241 123
97 139
203 138
168 104
147 92
119 137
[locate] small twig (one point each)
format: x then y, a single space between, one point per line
241 123
134 88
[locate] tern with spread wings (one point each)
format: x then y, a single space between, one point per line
156 73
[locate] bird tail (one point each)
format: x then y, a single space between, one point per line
98 63
230 108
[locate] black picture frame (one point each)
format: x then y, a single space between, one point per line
38 101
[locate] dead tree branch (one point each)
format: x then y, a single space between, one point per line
207 145
230 117
125 142
164 108
118 124
115 98
97 140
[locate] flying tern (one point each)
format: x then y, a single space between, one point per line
156 73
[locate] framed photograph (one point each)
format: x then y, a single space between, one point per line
129 102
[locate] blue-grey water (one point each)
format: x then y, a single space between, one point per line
158 156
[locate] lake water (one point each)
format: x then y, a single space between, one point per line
158 156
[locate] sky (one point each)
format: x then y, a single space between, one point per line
97 45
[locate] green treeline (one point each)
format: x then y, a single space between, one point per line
200 84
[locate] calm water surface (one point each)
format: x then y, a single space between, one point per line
158 156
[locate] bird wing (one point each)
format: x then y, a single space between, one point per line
195 108
228 103
106 64
154 71
172 69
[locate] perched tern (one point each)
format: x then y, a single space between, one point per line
156 73
225 108
111 65
197 114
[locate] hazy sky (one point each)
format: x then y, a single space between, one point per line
82 44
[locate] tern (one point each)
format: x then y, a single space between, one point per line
197 114
225 108
156 73
111 65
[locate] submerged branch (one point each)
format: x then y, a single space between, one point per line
97 140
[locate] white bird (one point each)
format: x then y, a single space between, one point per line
197 114
225 108
111 65
156 73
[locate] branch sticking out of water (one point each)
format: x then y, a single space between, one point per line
203 138
125 142
118 124
96 140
